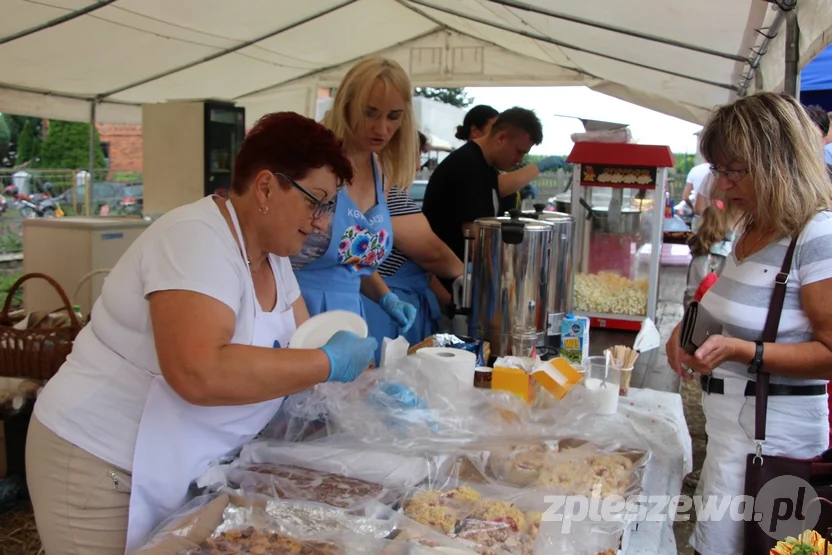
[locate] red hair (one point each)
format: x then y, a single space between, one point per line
291 144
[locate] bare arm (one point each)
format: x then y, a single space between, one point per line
202 365
687 191
442 294
700 205
300 311
812 359
413 236
373 286
511 182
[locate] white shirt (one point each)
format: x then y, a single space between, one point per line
696 175
97 398
705 188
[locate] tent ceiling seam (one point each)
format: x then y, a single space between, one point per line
414 9
57 21
562 44
536 43
188 41
226 51
195 42
619 30
333 66
67 96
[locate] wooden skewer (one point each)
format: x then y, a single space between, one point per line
631 360
623 356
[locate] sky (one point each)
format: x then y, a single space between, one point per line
647 126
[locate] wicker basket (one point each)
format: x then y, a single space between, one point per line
36 353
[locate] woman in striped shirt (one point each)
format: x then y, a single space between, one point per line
768 163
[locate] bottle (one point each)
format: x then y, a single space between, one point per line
668 205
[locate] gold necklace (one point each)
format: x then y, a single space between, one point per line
745 238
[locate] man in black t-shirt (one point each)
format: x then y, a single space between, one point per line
464 187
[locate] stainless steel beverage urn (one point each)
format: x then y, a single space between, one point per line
510 279
560 270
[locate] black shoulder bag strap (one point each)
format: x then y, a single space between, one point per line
775 309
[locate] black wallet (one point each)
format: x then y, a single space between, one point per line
697 326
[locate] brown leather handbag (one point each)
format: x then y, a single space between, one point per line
759 468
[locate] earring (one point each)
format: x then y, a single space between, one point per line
264 210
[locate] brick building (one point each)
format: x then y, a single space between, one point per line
122 144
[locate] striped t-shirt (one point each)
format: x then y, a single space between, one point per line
741 296
400 204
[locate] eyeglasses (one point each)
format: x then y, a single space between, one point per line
321 208
730 175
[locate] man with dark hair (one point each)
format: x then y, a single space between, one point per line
522 119
466 186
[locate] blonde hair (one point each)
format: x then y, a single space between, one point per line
774 136
398 157
713 228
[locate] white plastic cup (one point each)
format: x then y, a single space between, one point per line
602 383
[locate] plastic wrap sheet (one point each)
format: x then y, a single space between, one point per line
294 482
493 525
234 524
531 469
658 418
409 402
346 455
16 393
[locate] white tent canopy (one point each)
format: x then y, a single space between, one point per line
674 56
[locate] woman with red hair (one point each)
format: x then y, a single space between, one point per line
181 363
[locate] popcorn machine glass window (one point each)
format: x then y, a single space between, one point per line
619 212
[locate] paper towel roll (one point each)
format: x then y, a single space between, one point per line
445 362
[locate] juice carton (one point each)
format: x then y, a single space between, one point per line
519 376
574 338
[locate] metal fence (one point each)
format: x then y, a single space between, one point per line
64 179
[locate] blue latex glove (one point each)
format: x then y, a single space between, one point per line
549 163
404 314
403 405
349 355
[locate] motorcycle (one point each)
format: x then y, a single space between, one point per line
35 205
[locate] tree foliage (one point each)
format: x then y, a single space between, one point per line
67 146
26 144
5 139
16 124
684 162
454 97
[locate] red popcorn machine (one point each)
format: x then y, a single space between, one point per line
617 197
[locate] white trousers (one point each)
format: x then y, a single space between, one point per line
796 426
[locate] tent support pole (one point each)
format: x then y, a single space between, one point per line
792 77
88 189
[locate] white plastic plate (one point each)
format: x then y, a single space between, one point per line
315 332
